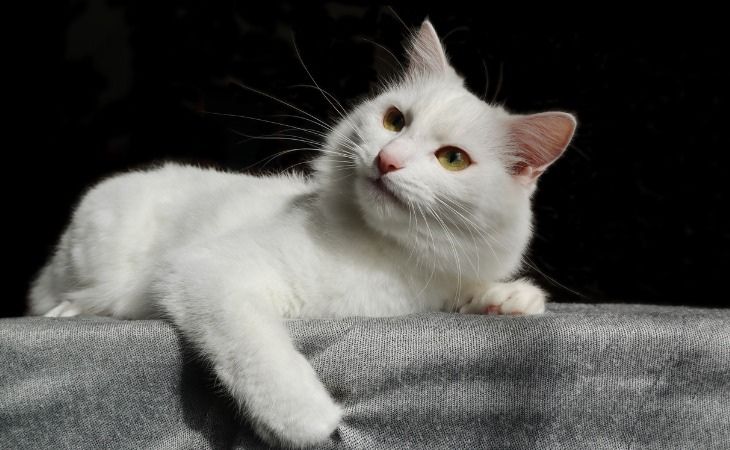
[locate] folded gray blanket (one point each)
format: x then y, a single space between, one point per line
606 376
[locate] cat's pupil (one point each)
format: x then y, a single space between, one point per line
454 157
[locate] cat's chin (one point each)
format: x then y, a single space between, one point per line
383 209
386 193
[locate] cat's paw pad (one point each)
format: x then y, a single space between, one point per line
518 297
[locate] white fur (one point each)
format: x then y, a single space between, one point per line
225 256
515 297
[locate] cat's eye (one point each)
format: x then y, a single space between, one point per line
394 120
453 158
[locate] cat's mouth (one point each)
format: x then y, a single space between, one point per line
383 189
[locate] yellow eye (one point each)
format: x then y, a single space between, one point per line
453 158
394 119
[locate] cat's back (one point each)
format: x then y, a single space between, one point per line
184 200
126 224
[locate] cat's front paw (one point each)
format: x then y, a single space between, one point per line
307 426
297 412
519 297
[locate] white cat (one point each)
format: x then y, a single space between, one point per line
420 201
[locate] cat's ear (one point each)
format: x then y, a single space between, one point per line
426 55
538 140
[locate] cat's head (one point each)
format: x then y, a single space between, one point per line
431 165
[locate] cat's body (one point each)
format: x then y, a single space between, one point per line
270 228
398 218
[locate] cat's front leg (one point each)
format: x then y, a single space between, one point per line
519 297
227 313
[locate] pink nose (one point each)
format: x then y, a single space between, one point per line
387 163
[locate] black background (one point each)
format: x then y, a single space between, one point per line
635 211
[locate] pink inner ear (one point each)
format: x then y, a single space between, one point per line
540 140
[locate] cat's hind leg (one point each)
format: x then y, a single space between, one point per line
43 296
63 309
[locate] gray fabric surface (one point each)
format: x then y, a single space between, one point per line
582 376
